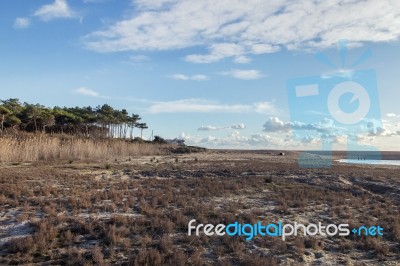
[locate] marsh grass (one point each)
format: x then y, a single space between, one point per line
75 218
38 147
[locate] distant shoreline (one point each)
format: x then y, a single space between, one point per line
385 155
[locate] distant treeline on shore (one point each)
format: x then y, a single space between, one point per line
101 121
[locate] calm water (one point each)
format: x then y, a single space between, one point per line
381 162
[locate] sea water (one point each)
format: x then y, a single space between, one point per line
374 162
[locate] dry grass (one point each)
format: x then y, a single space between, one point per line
31 147
75 217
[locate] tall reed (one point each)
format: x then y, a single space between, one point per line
37 147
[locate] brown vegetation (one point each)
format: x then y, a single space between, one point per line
135 212
40 147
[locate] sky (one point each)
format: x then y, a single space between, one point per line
219 74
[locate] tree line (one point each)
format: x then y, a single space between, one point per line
101 121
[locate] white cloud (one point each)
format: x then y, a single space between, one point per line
215 128
217 52
325 128
234 28
87 92
139 58
378 129
235 140
342 73
238 126
206 106
265 107
94 1
238 51
151 4
241 59
274 124
282 140
308 139
58 9
392 115
244 74
179 77
196 105
21 23
199 77
185 77
261 139
208 128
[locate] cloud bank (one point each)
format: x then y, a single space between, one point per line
237 29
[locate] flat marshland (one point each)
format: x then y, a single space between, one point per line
133 209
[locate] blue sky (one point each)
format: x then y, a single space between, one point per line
214 73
